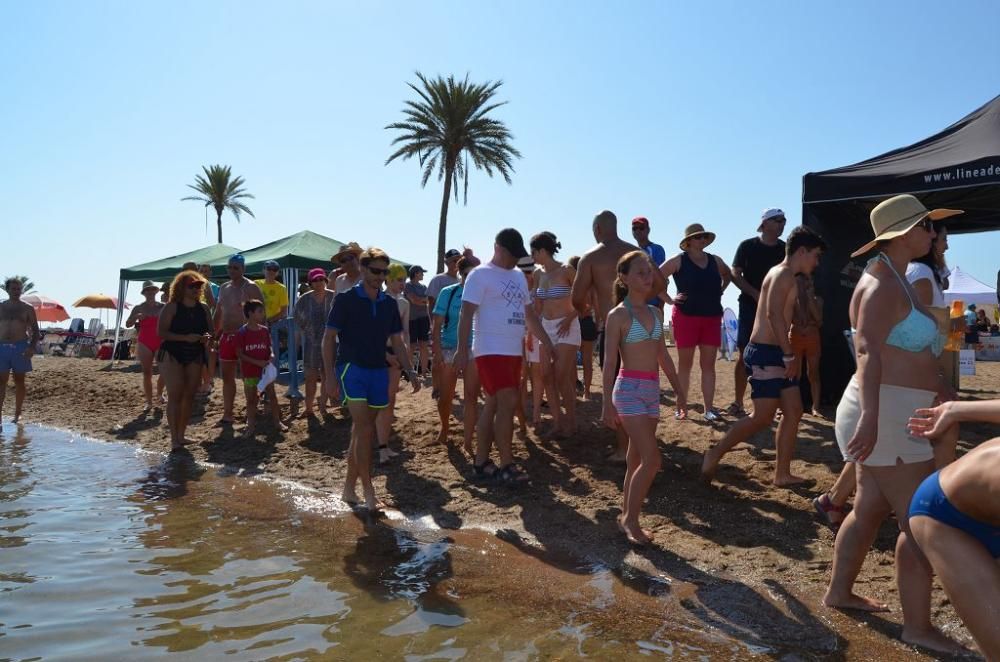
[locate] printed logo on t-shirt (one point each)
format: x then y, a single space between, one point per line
513 295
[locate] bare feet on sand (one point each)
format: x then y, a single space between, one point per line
373 504
350 497
634 533
853 601
933 639
442 437
709 465
817 413
789 480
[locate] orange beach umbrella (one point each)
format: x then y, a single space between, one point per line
46 309
98 301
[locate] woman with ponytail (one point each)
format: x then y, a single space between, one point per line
634 331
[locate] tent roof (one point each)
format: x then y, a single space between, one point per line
966 288
302 250
166 268
960 163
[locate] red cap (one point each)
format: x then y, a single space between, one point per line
640 220
316 273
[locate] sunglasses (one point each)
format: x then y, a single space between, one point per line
927 224
375 271
194 286
271 269
350 257
699 236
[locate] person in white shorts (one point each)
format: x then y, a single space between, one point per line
551 290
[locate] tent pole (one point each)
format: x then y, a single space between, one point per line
122 290
292 285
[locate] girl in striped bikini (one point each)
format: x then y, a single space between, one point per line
634 332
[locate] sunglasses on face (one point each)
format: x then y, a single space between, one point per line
699 237
346 259
927 224
375 271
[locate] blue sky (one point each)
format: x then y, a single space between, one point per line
688 112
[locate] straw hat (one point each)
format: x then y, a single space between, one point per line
897 216
352 247
149 285
694 230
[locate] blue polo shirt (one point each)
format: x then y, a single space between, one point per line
363 326
658 256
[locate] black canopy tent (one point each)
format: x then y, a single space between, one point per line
958 168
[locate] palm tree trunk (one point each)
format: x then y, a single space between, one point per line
443 223
218 222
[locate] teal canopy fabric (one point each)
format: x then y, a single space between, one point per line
166 268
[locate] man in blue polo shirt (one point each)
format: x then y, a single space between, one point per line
656 253
363 319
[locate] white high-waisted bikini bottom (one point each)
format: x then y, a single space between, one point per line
896 405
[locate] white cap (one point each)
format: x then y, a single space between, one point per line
768 214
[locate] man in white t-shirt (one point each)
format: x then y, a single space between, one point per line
496 306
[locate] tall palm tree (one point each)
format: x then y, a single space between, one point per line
219 189
449 118
27 287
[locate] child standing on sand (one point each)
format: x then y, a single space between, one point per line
634 332
253 348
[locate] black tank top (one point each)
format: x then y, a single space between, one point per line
187 320
703 287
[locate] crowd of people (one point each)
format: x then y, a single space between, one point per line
518 322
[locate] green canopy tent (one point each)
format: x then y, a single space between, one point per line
165 269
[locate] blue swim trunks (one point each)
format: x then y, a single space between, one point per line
359 384
12 357
930 501
766 371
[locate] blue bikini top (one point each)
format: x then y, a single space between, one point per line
917 331
554 292
637 332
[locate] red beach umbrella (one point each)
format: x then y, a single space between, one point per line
46 309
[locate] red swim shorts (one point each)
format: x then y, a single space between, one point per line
227 347
497 372
694 330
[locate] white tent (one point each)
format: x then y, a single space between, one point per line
965 288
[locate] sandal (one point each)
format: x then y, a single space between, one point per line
512 475
485 471
680 415
736 410
831 514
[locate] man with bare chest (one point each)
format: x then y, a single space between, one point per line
228 319
595 275
771 363
18 339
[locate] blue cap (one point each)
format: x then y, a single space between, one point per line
237 257
271 264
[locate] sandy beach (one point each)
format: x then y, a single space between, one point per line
742 533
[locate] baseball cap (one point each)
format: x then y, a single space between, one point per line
526 264
271 264
768 214
237 258
415 269
452 254
318 272
511 240
640 220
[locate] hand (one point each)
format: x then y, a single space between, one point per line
392 360
565 325
931 423
461 358
30 351
193 337
438 355
205 339
610 417
793 368
862 443
331 387
680 298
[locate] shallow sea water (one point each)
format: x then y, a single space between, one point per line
110 553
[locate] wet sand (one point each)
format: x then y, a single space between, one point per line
753 558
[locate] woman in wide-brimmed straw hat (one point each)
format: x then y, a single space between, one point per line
146 316
897 342
347 272
700 278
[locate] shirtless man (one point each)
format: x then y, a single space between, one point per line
18 339
228 319
771 363
596 275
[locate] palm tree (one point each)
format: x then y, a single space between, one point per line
220 190
449 118
27 287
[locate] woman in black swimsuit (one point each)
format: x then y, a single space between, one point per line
186 331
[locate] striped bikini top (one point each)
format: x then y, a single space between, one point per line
554 292
637 332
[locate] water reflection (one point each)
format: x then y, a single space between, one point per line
112 554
